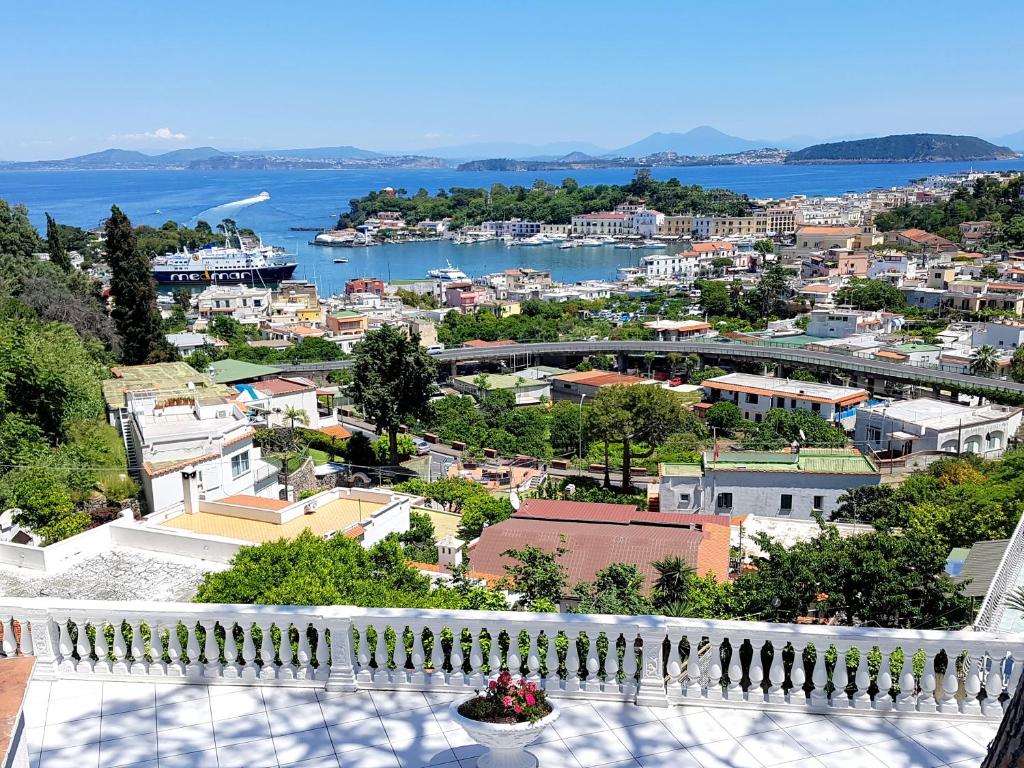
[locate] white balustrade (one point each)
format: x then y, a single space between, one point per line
652 660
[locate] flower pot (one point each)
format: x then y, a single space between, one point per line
506 743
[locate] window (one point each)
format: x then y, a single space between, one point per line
240 464
819 503
786 504
874 435
816 407
684 501
751 398
724 501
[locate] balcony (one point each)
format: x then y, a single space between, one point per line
126 683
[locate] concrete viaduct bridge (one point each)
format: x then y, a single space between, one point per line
878 377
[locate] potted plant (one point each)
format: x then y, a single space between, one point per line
506 718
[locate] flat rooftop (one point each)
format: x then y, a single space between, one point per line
161 377
831 461
334 516
939 415
770 386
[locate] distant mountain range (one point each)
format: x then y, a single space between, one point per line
701 145
904 148
1012 140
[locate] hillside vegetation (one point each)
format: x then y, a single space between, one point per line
905 148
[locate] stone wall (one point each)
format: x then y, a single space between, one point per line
302 479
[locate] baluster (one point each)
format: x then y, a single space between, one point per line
476 659
268 669
629 664
593 662
303 668
840 679
797 678
513 658
323 655
437 672
553 680
862 679
289 664
211 651
572 665
776 674
991 706
138 649
883 698
906 699
1011 684
714 690
926 699
819 678
972 685
950 686
231 669
249 670
83 646
611 663
65 646
756 674
494 657
27 642
694 689
176 667
9 642
735 690
418 656
120 649
194 666
102 665
365 672
456 658
533 658
157 665
673 665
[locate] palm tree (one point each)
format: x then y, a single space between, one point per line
984 359
673 582
292 414
1015 600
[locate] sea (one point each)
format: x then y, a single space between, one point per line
309 199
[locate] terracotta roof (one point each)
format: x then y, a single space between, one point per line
481 343
283 386
593 546
819 288
336 431
160 469
604 216
887 354
712 247
834 231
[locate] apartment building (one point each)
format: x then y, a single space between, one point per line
756 395
243 303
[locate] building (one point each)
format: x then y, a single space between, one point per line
614 224
347 322
186 342
647 223
297 300
835 262
597 535
515 228
925 241
273 397
677 330
586 384
894 267
793 484
371 285
909 426
756 395
1001 334
978 295
526 391
973 232
243 303
843 323
810 239
684 267
676 226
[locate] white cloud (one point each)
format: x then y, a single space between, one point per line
160 134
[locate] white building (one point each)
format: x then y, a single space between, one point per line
603 224
646 222
893 267
842 323
756 395
909 426
511 228
1002 334
273 397
186 343
792 484
684 267
244 303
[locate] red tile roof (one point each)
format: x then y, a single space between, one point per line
605 216
712 247
833 231
598 378
284 386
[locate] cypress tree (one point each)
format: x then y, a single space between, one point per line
55 245
134 292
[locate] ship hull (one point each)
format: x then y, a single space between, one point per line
270 274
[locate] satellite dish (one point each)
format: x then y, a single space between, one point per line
513 497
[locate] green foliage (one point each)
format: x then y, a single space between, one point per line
1017 365
418 300
171 237
382 449
616 589
865 293
802 374
537 576
419 541
672 586
711 372
451 493
497 423
359 450
567 428
480 511
44 502
725 417
55 245
18 238
780 428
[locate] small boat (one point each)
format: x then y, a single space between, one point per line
650 244
627 246
590 242
341 261
569 244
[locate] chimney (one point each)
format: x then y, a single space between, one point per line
190 490
449 552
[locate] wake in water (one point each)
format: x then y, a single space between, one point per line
223 211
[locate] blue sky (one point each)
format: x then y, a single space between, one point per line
411 75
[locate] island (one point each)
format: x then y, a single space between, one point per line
905 148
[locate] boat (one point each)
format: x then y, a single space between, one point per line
627 246
569 244
217 264
448 274
650 244
590 242
532 241
342 260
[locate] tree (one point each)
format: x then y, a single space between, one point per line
714 297
636 414
984 359
802 374
711 372
55 245
771 292
480 512
538 575
870 294
616 589
725 417
567 428
419 542
673 583
393 379
44 504
134 292
780 428
18 238
183 298
764 246
989 272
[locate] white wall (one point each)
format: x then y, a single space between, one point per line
56 556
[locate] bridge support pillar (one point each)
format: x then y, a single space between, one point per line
455 368
622 362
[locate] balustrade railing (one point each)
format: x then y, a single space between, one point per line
652 660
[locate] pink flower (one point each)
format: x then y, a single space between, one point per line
518 710
507 701
530 699
504 678
492 685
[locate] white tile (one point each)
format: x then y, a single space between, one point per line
37 701
303 717
191 738
125 697
579 721
67 709
388 702
410 724
440 699
172 693
983 733
971 762
281 698
795 716
950 744
698 728
123 724
903 753
81 756
34 740
247 754
621 715
823 737
911 726
671 713
247 701
553 753
647 738
463 746
850 758
430 749
237 729
631 763
867 730
774 747
742 722
679 758
183 713
76 689
357 735
723 754
597 748
71 733
804 762
345 709
324 761
204 759
370 757
128 751
295 747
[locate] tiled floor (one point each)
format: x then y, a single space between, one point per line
103 725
